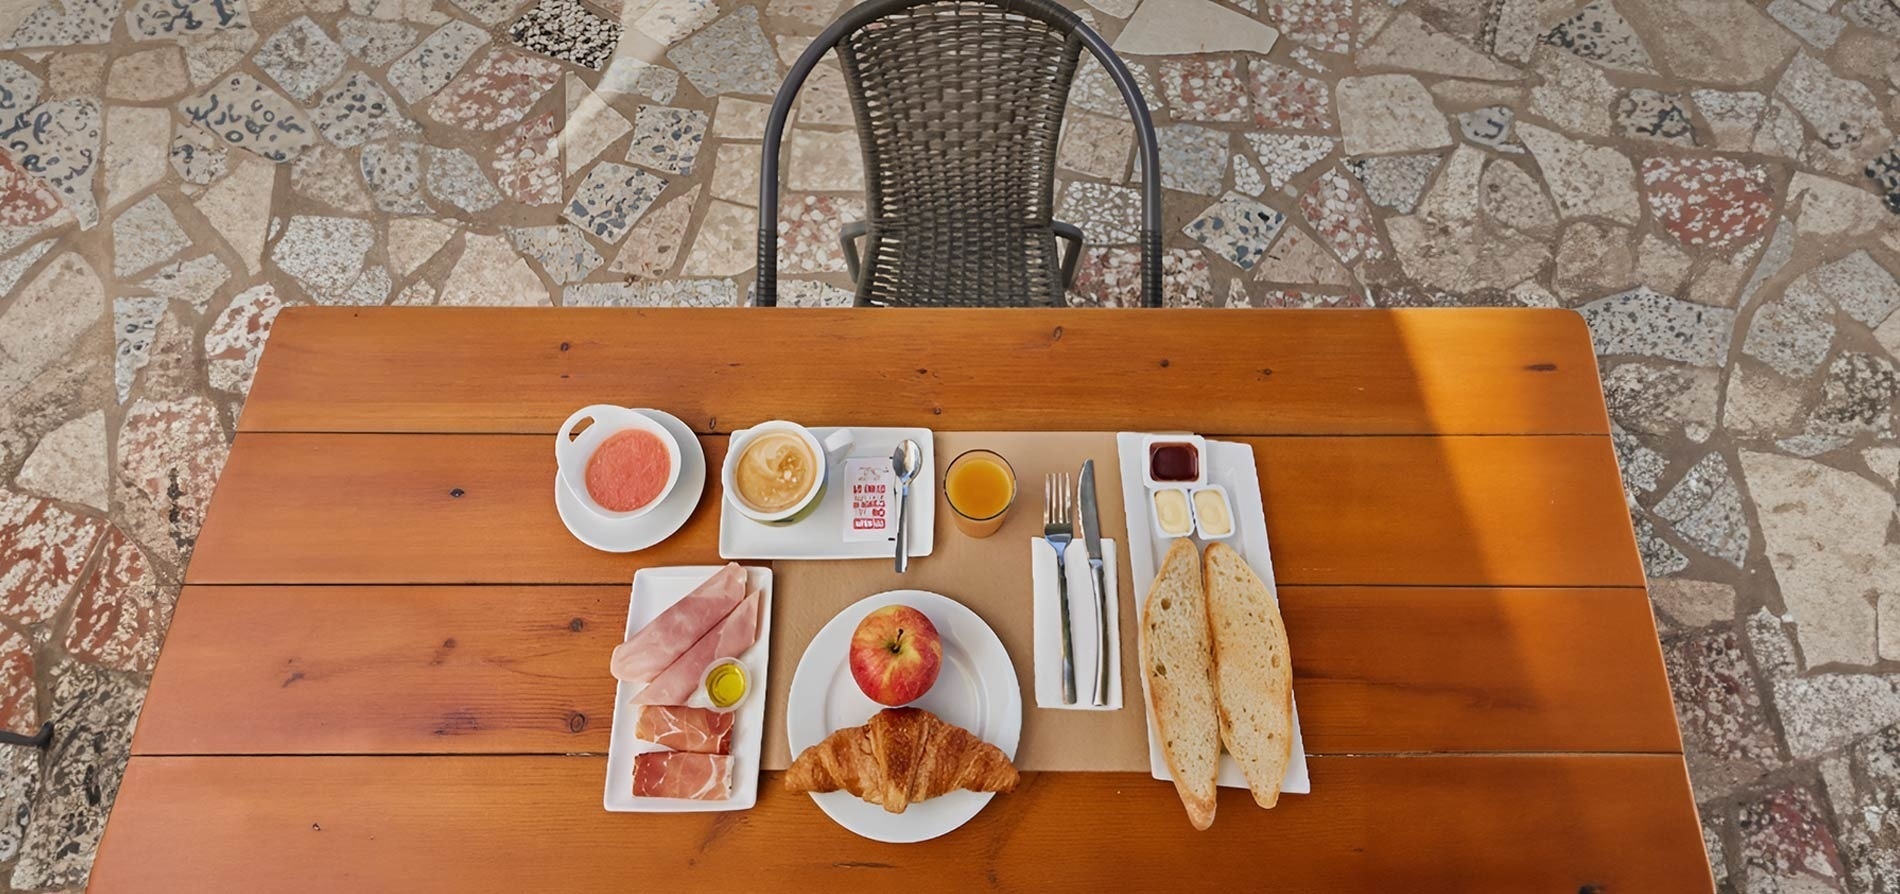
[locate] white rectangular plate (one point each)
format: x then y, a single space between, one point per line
1231 466
654 590
820 535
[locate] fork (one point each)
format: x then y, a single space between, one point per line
1058 528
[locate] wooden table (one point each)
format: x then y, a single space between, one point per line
387 668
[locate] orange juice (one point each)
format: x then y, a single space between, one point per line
980 488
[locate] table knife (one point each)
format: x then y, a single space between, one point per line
1091 518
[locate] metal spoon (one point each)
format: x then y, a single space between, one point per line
906 461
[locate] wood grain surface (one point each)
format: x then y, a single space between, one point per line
1558 823
1453 511
1479 371
506 669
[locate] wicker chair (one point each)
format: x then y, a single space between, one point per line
959 105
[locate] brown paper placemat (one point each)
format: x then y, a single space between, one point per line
992 577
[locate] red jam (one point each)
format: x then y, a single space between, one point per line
1174 462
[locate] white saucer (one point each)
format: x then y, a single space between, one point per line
632 534
975 690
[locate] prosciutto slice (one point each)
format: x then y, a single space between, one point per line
733 635
682 774
655 647
685 729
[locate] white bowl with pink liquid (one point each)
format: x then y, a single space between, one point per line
621 465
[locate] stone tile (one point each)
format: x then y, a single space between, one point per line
1383 114
1395 181
1574 94
1600 34
664 293
611 198
1726 42
94 710
144 235
1780 133
251 116
634 77
192 281
301 58
1869 841
359 110
324 254
1205 89
1816 27
134 321
329 175
197 156
1408 43
147 76
495 92
1859 286
44 549
1593 260
1178 27
1693 603
177 18
1706 509
1111 277
823 162
236 340
726 244
63 24
413 240
210 56
669 21
1792 333
1324 25
1708 202
1584 179
1724 726
489 273
669 139
567 31
1884 170
14 268
130 164
1858 396
1731 116
1337 210
1760 404
1831 208
1286 156
238 207
456 179
739 119
436 60
808 231
70 463
655 241
1653 115
1285 99
45 318
561 250
19 88
1824 533
1236 228
1094 91
1297 259
375 43
592 125
1844 114
393 173
1096 146
816 14
19 713
122 611
813 293
1644 323
1786 845
1193 158
527 164
1658 556
57 142
824 100
1247 177
1106 214
1489 127
489 12
25 199
729 56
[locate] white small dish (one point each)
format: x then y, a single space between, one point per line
1154 515
1200 526
820 533
573 453
654 589
1200 466
667 515
976 690
1046 624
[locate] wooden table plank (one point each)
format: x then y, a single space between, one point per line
1454 511
1452 823
1479 371
427 670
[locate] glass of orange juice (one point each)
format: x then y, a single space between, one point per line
980 487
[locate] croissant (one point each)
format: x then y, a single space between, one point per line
902 755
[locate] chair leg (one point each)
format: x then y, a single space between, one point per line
1071 234
848 237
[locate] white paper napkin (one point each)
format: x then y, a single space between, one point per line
1082 623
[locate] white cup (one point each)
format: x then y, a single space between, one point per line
572 453
831 450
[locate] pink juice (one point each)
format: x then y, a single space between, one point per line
628 470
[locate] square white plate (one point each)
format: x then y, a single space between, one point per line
1230 465
654 590
820 535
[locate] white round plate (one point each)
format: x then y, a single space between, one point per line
976 690
625 535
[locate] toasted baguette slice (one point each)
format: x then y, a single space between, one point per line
1180 673
1253 671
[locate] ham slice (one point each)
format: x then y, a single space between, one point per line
656 646
733 635
682 774
685 729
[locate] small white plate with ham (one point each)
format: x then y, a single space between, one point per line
665 757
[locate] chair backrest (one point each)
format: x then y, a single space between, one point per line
959 106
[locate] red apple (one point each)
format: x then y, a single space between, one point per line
895 655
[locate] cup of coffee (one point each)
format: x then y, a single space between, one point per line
775 471
622 465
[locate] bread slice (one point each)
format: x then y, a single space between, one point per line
1180 671
1253 671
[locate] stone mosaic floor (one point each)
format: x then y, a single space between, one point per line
1714 184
